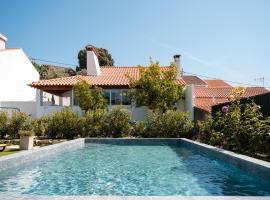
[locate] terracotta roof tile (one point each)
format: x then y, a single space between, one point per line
217 83
110 76
207 103
206 97
195 80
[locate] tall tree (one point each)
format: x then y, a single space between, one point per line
157 88
104 58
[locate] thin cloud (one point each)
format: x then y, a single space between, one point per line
183 52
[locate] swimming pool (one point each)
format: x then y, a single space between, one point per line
131 169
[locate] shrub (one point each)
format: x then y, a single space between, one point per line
169 124
26 133
40 125
3 124
93 123
64 124
17 121
240 128
117 122
138 128
207 134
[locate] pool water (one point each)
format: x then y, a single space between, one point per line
104 169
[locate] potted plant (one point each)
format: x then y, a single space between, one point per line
26 139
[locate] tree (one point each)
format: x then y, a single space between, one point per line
51 71
3 123
104 58
89 98
157 88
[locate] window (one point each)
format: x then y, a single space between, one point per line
112 97
125 98
107 96
116 98
75 101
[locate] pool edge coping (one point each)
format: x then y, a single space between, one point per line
25 156
251 165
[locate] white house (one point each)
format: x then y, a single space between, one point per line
16 70
114 82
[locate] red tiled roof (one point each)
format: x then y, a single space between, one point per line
206 97
110 76
195 80
217 83
207 103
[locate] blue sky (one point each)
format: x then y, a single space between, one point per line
225 39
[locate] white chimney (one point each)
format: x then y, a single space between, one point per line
92 64
178 64
3 40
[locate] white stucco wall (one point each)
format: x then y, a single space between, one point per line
189 100
2 43
137 113
16 71
28 107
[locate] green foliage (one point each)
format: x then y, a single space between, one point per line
94 122
207 134
17 121
104 58
26 133
3 123
89 99
51 71
117 122
40 125
156 88
170 124
64 124
138 128
241 129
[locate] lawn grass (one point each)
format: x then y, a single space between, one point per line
8 152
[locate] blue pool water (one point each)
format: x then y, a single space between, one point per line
104 169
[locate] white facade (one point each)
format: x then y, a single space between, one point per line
16 71
189 101
44 105
3 40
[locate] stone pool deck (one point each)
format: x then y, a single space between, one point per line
251 165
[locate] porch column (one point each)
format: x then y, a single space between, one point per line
60 100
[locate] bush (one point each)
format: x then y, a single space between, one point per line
26 133
240 128
17 121
138 128
93 123
170 124
40 125
64 124
117 122
3 124
207 134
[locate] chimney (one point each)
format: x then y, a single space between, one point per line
92 64
3 40
178 64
